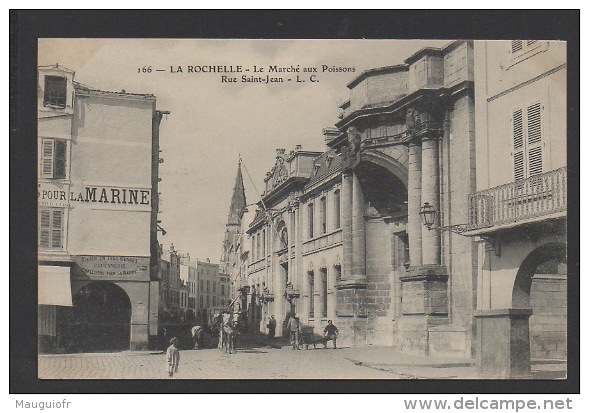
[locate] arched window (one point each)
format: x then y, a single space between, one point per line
336 209
323 215
311 276
311 218
323 293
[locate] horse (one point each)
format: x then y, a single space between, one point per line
228 333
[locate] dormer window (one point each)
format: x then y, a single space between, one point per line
55 92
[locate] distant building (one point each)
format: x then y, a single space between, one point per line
224 289
208 286
97 203
518 212
170 283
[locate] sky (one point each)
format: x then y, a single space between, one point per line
212 122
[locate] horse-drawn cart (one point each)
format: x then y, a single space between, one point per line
309 338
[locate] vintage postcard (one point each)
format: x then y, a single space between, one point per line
302 209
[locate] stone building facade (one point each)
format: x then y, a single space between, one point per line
98 196
518 212
338 233
208 286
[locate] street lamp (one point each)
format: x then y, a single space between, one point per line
428 215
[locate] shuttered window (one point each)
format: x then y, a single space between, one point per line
534 113
518 145
516 46
53 158
527 141
519 47
51 227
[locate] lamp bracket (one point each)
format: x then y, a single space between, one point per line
457 229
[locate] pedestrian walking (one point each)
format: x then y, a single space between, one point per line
331 332
173 357
294 328
271 327
164 338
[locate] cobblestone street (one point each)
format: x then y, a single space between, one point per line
252 363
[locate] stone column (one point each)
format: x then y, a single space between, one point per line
503 343
292 268
430 192
289 231
346 217
414 225
269 251
358 229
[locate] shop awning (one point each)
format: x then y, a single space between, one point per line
54 286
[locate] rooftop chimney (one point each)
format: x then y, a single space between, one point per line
330 134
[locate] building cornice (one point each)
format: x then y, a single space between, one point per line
377 71
405 101
325 180
115 95
293 182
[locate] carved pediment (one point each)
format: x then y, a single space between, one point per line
279 172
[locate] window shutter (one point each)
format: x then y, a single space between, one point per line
516 46
45 227
60 159
57 229
518 145
534 124
47 158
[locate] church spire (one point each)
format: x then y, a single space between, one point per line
238 202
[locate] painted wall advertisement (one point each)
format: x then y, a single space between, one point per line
111 266
61 195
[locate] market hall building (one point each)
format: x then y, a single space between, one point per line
384 231
97 201
339 236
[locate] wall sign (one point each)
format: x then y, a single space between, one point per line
53 195
107 265
111 195
56 195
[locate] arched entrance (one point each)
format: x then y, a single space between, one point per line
540 285
100 319
384 196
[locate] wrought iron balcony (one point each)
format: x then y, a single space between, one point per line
538 197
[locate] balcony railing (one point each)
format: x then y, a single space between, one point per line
535 197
